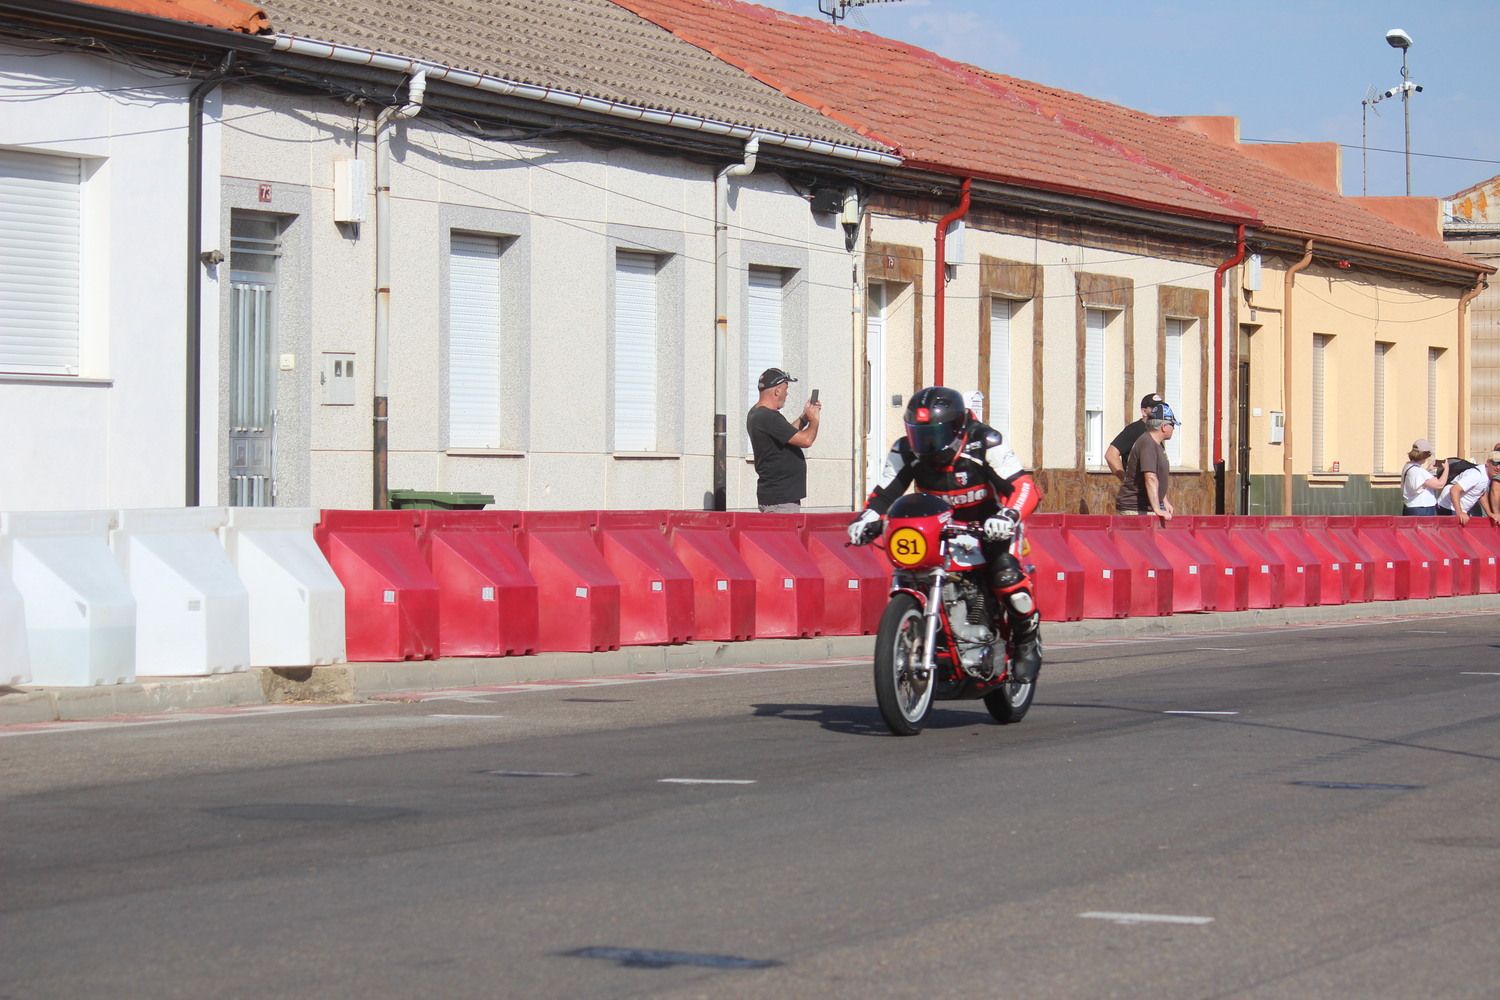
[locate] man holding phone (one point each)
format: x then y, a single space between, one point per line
780 465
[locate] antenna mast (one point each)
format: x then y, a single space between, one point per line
837 10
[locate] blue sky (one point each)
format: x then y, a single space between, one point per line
1288 69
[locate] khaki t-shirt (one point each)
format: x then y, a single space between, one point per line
1147 455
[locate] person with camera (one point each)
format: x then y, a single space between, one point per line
1420 481
780 465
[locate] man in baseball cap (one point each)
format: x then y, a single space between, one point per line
771 378
1119 448
780 465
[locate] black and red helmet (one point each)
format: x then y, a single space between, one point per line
935 421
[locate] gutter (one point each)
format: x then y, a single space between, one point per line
1239 255
1286 375
567 99
721 321
940 285
194 297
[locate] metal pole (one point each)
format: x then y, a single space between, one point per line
1406 113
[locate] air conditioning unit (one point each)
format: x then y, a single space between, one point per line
351 184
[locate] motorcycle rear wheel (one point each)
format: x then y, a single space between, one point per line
904 697
1010 701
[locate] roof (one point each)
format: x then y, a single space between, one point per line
231 15
961 118
936 112
587 47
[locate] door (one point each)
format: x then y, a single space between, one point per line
877 444
253 251
1242 459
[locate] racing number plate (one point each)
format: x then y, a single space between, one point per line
907 546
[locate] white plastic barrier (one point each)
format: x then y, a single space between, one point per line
15 662
80 615
296 601
193 613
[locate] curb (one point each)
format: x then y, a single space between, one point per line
351 682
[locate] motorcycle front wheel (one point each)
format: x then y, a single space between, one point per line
904 696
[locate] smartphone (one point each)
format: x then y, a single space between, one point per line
814 397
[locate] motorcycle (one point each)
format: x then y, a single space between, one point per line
941 636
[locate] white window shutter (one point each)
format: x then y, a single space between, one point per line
764 344
1095 321
1381 348
475 333
1173 387
1319 398
40 245
635 352
997 397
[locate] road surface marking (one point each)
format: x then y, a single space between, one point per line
440 715
703 781
161 718
1129 919
1190 711
536 774
1478 673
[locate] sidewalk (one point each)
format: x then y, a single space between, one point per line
349 682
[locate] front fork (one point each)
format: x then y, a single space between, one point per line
932 614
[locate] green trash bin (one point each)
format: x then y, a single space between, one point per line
436 500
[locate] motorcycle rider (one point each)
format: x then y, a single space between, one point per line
950 453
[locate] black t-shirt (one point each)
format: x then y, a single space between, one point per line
781 467
1126 439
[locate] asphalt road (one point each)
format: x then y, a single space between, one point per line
1303 812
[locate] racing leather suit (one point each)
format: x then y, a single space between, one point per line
984 476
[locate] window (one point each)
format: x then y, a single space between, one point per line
1381 351
475 341
1319 400
997 393
635 357
765 345
1095 322
1433 355
1173 383
40 244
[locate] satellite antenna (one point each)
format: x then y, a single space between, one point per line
837 10
1372 98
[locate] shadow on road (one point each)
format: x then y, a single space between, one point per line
858 720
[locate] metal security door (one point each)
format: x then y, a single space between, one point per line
252 403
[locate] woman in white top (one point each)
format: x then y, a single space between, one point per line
1419 487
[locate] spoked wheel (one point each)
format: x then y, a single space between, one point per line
901 689
1010 701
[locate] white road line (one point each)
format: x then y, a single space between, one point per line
536 774
1478 673
1218 649
1427 631
703 781
1130 919
1189 711
440 715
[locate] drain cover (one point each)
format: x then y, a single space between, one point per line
645 958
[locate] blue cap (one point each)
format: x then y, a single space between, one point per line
1161 411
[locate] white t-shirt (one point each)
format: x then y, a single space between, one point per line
1413 493
1474 482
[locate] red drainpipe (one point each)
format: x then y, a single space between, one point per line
942 278
1239 255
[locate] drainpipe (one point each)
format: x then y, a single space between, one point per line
942 278
416 88
1239 255
195 263
1286 376
1463 363
721 322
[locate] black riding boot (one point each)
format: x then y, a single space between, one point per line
1025 647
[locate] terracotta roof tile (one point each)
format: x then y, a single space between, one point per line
231 15
587 47
960 118
936 112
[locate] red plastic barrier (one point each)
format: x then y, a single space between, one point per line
1107 573
578 596
1484 536
1268 569
487 598
1392 566
1232 580
1151 590
1428 566
390 597
1304 570
1461 557
856 579
656 589
1335 537
1195 570
723 586
789 594
1056 575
